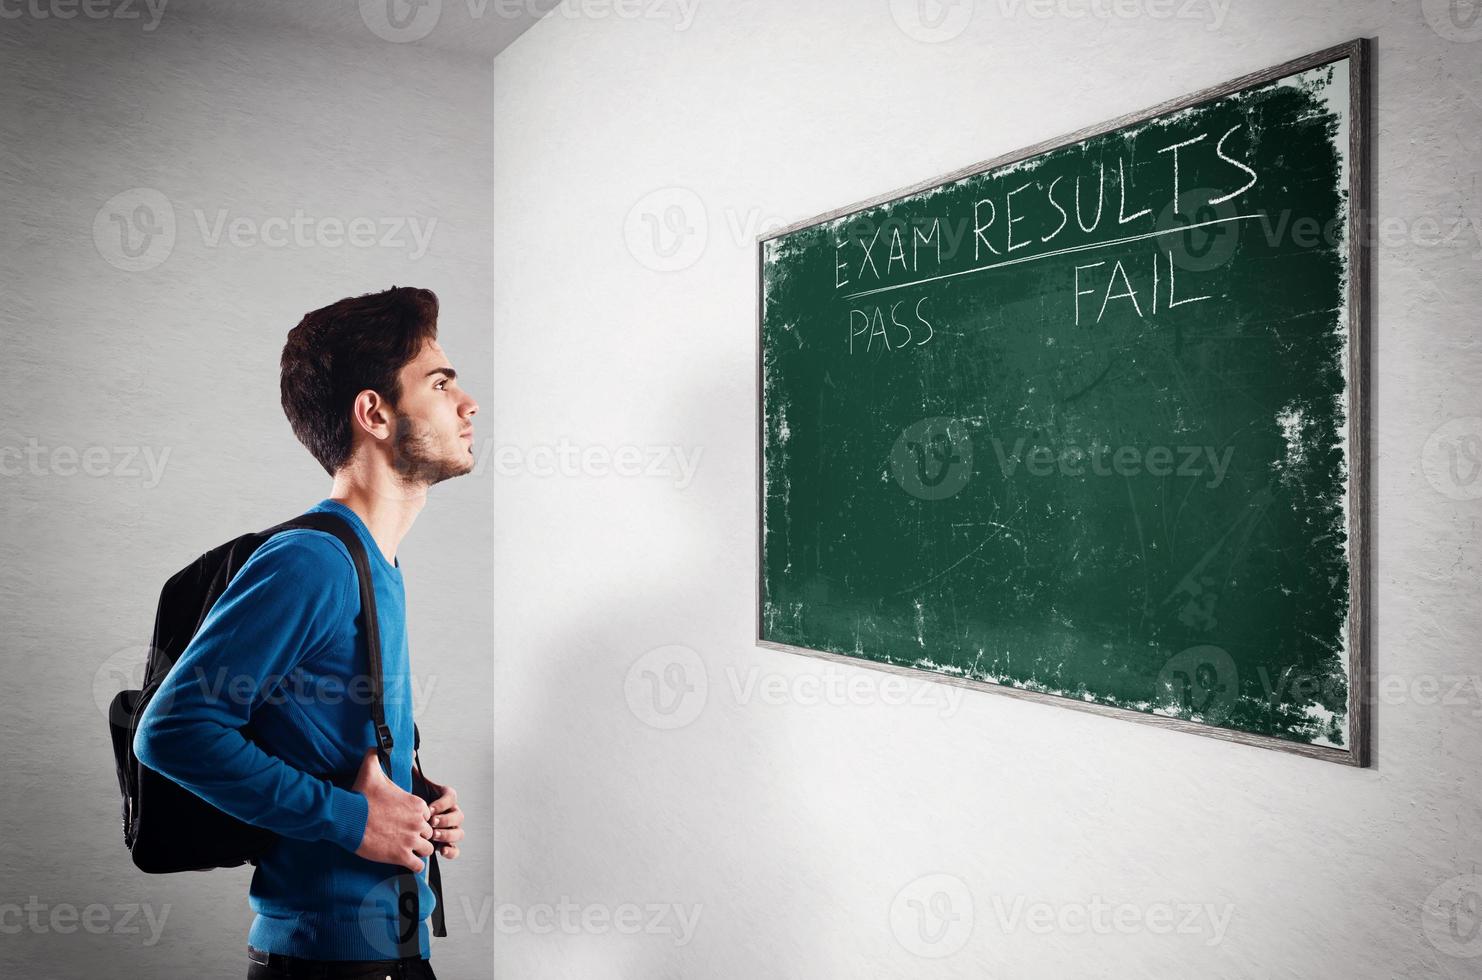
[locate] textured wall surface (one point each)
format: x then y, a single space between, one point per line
140 423
673 801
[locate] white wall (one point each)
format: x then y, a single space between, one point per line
793 827
180 360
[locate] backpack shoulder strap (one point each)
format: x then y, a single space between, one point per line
336 525
407 939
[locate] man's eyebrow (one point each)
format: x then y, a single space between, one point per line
452 375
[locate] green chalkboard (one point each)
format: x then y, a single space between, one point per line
1086 423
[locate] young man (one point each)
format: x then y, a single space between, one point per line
371 394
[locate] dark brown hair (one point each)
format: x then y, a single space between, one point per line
339 351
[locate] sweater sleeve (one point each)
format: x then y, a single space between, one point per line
283 603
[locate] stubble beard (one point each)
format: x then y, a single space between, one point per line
415 456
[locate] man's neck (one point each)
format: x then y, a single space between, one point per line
388 516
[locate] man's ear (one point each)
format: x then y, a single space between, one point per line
371 414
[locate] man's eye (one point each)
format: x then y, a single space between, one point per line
441 383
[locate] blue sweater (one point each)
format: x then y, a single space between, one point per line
283 648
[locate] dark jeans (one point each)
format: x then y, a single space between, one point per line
274 966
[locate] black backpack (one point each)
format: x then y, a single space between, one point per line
168 828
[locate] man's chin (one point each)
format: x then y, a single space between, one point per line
462 466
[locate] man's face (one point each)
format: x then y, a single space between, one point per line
432 433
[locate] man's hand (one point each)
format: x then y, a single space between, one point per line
397 831
447 819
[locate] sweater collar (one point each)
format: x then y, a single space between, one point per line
372 548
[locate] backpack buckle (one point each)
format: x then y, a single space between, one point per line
383 737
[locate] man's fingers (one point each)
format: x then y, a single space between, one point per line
413 863
452 818
448 834
448 851
447 801
423 847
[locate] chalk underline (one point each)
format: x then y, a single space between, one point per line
1046 255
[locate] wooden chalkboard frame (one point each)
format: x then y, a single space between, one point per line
1360 55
